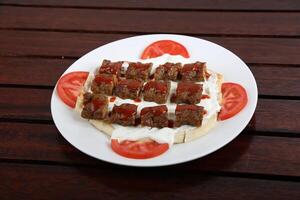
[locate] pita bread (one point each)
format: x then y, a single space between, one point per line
180 137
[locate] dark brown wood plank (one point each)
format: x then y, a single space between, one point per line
269 78
270 5
41 142
34 104
262 50
232 23
34 43
276 115
25 103
279 80
45 182
246 154
42 72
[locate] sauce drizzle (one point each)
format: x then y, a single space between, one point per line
205 96
112 99
137 100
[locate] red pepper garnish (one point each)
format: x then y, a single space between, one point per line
126 110
137 100
140 66
156 110
111 68
158 85
205 96
97 104
187 107
103 78
131 84
188 86
112 99
190 67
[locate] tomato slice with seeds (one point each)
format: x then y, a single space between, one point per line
69 86
161 47
234 100
139 149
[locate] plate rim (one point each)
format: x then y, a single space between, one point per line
187 159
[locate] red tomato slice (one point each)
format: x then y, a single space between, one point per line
234 100
161 47
139 149
69 86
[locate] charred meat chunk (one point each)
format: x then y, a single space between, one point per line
156 91
103 84
188 92
189 115
128 88
108 67
138 71
168 71
156 116
193 72
95 106
125 114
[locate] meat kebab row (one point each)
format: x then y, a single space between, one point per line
138 84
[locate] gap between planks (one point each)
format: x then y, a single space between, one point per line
136 33
150 8
245 131
74 58
174 168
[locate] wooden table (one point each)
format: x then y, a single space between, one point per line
40 39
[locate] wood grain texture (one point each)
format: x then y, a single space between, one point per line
41 142
269 78
265 5
42 72
246 154
40 39
35 43
232 23
45 182
279 80
34 104
57 44
25 103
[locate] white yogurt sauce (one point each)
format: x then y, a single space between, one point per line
165 135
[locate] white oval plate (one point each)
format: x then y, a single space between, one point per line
92 142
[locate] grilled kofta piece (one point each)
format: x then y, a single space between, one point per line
125 114
188 92
95 106
193 72
103 84
113 68
168 71
138 71
128 88
156 116
188 115
156 91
